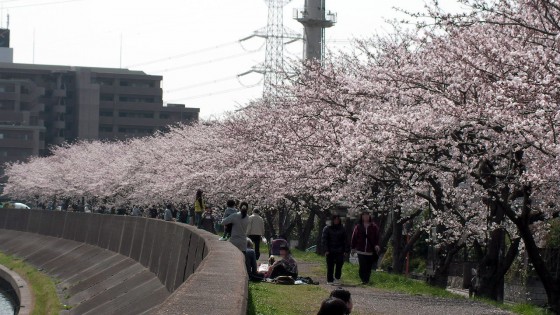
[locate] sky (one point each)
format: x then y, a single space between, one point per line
193 44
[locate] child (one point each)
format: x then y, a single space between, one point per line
229 211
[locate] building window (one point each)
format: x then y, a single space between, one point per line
106 113
140 84
136 99
61 133
106 97
105 128
163 115
1 136
7 105
104 81
3 153
136 114
136 130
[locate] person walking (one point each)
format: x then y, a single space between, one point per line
255 230
336 247
365 242
239 223
199 207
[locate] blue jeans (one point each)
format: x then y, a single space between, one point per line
197 218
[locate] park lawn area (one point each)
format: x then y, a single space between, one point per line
271 299
268 298
42 287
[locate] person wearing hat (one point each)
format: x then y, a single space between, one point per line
335 245
365 242
286 266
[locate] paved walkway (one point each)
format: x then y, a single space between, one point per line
369 300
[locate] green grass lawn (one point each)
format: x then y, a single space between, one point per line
42 287
269 298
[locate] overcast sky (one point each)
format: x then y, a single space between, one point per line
193 44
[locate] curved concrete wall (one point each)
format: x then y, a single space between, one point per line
170 251
21 288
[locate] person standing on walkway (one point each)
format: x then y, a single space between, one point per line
199 207
365 241
168 213
336 247
239 222
230 209
255 230
207 221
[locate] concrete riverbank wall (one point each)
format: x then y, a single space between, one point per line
106 264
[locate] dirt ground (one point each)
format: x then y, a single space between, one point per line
369 300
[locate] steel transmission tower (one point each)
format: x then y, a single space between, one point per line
274 60
315 19
276 37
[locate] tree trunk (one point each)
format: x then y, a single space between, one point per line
322 222
490 282
442 263
440 276
306 230
397 240
269 230
551 284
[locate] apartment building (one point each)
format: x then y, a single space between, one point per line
44 105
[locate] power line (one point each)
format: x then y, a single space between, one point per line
199 84
181 55
214 93
202 63
39 4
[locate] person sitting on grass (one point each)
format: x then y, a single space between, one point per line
251 263
285 266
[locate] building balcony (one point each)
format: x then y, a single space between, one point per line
317 20
132 90
147 122
17 143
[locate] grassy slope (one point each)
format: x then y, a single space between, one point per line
43 288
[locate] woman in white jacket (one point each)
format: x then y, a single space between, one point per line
255 230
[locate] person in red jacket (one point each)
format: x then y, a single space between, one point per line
365 242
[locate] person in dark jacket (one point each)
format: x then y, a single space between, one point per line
365 241
335 246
